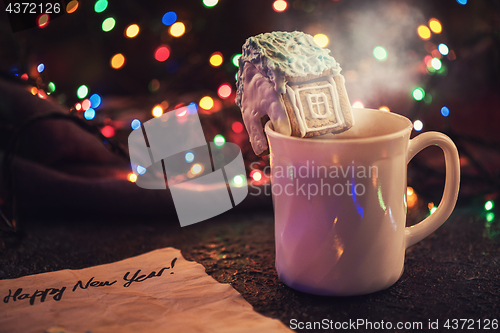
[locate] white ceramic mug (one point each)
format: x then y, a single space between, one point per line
340 203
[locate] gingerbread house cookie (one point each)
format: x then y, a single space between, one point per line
287 78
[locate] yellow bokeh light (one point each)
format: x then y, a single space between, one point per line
216 59
132 177
280 5
34 90
384 108
424 32
409 190
177 29
206 103
358 104
435 26
117 61
72 6
196 168
321 40
132 31
157 111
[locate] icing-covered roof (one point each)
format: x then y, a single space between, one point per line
279 54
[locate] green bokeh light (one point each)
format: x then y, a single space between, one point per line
100 6
82 91
219 140
436 64
489 205
418 94
236 57
210 3
108 24
380 53
490 216
51 87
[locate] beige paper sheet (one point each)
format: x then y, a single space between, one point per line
182 298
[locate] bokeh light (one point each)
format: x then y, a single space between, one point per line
280 6
100 6
154 85
72 6
216 59
89 114
95 101
189 157
108 131
418 94
424 32
206 102
380 53
445 111
85 104
177 29
418 125
237 127
43 20
210 3
239 180
162 53
169 18
321 39
135 124
490 216
384 108
435 26
489 205
224 90
192 108
140 169
358 104
82 91
196 168
118 61
51 87
34 91
443 49
436 63
219 140
462 2
256 175
132 31
78 106
157 111
40 68
132 177
108 24
236 59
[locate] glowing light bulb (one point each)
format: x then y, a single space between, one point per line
216 59
224 91
157 111
132 31
117 61
418 125
424 32
177 29
206 103
82 91
321 39
135 124
108 24
380 53
169 18
219 140
280 6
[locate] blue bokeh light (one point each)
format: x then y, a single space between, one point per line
462 2
95 101
192 108
445 112
169 18
135 124
140 169
89 114
40 67
189 157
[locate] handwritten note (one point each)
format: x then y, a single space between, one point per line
158 291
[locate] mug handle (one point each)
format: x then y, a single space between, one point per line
419 231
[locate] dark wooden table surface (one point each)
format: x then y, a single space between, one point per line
452 274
